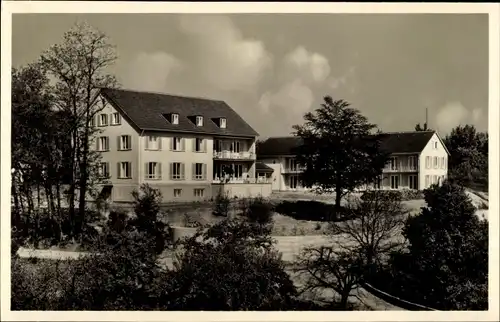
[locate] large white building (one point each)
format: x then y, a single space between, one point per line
188 148
418 159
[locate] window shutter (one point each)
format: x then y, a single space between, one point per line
159 138
147 142
118 145
129 141
182 171
183 144
171 143
204 169
97 145
129 169
193 171
118 172
146 170
204 145
171 171
158 168
194 144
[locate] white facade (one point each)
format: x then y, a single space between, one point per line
184 167
404 171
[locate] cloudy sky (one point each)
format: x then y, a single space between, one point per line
273 68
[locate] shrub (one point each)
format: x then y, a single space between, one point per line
147 210
259 211
231 266
222 204
307 210
453 276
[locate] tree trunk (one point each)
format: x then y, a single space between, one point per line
344 299
338 199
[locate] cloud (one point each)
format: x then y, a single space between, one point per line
150 71
291 100
226 59
312 67
453 114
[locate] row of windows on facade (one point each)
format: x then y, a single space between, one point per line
430 162
104 119
153 170
124 143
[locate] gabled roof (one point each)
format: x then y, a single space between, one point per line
144 110
406 142
393 142
261 167
275 146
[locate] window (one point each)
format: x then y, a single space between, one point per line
199 121
412 164
177 171
103 143
115 119
177 193
199 171
442 162
435 145
177 144
125 143
235 146
427 181
435 162
413 183
153 143
124 170
394 163
434 179
377 182
103 119
92 122
293 165
199 145
394 182
199 193
222 123
238 171
427 162
103 169
153 170
175 118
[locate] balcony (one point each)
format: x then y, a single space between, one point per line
241 180
399 168
228 155
293 170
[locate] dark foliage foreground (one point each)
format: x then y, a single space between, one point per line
446 265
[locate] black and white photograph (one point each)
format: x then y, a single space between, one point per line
249 161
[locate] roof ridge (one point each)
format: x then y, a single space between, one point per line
162 93
400 132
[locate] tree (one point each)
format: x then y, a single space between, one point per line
333 268
447 259
231 266
38 148
468 149
420 128
378 219
79 66
339 151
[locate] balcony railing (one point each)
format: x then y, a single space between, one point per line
293 170
400 168
242 181
234 155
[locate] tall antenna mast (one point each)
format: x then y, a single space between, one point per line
426 125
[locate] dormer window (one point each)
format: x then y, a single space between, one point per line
199 121
175 118
222 123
